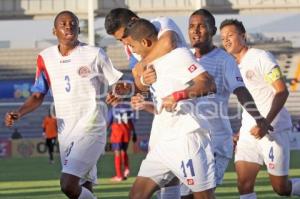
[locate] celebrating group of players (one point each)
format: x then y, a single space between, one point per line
191 139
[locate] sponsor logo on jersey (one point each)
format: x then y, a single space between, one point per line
250 74
271 165
65 61
84 71
65 162
190 181
239 79
192 68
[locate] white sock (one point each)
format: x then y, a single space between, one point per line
172 192
248 196
86 194
295 186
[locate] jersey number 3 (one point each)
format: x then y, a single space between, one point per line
68 85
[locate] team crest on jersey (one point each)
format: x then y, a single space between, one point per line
190 181
250 74
84 71
271 165
192 68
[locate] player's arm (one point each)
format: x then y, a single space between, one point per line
201 85
134 137
33 102
138 103
166 43
281 93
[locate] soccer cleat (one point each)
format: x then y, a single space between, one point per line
116 179
126 173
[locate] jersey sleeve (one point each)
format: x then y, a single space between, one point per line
267 62
164 24
232 76
110 73
42 80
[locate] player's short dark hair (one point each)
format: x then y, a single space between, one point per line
238 24
209 18
117 18
139 29
65 12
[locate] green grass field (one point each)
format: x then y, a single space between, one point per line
34 178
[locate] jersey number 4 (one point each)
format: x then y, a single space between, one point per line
271 154
188 165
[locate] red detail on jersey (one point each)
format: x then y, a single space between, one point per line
41 67
271 165
192 68
190 181
128 51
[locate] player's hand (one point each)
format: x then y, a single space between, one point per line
261 129
138 102
149 75
235 139
111 99
134 138
10 118
169 103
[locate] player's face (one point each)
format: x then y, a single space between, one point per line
119 35
232 40
138 47
66 29
198 31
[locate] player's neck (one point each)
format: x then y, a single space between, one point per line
239 56
66 49
199 52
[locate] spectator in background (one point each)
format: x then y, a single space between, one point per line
16 134
121 124
50 133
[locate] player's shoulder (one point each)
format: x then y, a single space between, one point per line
89 49
49 50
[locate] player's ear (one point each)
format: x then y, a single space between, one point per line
54 31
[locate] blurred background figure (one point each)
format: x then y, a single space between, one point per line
16 134
121 126
50 133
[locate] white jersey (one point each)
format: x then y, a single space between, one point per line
174 70
214 108
254 67
162 24
76 82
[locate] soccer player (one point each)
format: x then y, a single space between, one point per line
50 133
169 37
179 145
75 72
264 80
214 108
121 123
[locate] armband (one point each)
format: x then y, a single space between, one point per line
274 75
180 95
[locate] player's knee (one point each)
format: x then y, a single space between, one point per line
135 194
282 190
69 189
245 186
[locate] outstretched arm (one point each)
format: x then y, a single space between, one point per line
33 102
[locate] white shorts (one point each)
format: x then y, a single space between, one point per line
221 163
189 157
273 150
79 156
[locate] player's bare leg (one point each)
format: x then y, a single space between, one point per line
281 185
246 175
70 187
207 194
143 188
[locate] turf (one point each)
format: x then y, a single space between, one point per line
34 178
